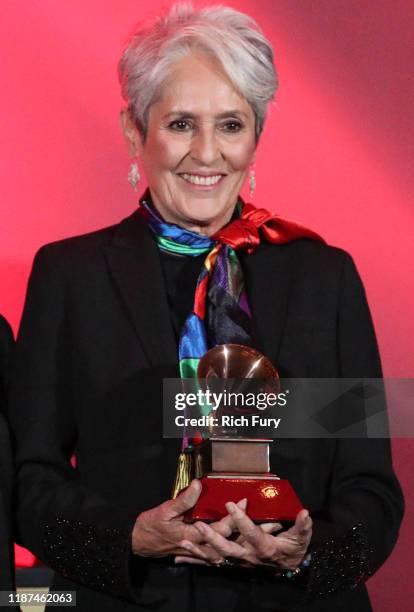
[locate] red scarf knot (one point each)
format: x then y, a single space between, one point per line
244 233
239 234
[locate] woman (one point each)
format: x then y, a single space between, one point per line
110 314
6 470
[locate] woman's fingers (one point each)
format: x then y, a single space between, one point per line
195 550
264 546
270 527
226 525
190 560
183 502
219 545
303 523
302 529
250 532
255 543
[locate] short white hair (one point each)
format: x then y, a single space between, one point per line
232 38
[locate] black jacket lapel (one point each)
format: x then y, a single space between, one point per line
135 265
268 277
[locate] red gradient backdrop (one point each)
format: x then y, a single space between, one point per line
336 155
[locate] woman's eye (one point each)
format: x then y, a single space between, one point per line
180 125
232 126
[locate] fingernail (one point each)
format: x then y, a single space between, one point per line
231 507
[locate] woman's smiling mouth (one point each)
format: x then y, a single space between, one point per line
202 181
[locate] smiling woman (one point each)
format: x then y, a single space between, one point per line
194 118
195 160
109 314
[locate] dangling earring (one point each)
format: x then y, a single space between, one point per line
133 175
252 180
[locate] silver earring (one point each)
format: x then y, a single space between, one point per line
133 175
252 181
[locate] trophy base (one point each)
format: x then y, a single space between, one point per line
269 498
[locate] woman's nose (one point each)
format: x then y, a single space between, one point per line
205 146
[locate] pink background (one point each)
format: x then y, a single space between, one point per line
336 155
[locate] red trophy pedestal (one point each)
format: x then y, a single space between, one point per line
231 469
269 498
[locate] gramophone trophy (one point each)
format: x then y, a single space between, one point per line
229 465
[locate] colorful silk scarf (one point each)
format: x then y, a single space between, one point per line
221 312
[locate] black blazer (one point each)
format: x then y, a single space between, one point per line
95 341
6 468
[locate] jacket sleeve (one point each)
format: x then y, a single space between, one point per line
6 464
359 525
72 529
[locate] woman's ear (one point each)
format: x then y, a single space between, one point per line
132 135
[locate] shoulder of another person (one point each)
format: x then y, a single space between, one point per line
6 348
6 334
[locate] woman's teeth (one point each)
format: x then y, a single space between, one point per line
201 180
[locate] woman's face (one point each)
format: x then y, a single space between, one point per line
199 144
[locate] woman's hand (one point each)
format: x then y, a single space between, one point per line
255 545
161 531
